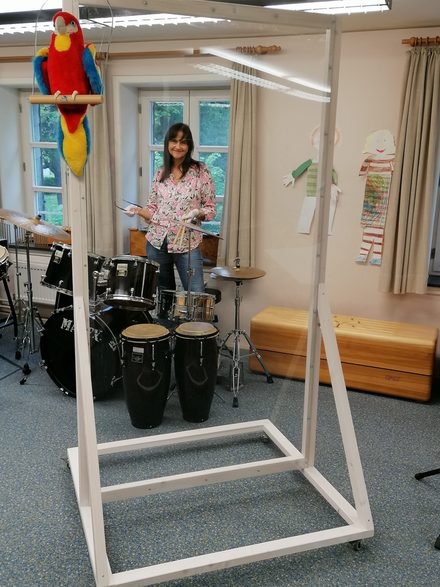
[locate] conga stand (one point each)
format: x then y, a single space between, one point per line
239 274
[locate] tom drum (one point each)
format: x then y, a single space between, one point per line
131 282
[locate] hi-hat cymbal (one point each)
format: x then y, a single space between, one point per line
238 273
34 224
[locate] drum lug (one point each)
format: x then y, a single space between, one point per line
60 283
132 292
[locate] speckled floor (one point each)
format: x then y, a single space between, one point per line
42 542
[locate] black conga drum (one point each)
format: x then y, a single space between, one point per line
195 363
146 372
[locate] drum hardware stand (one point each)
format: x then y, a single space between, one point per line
12 316
18 301
31 320
235 354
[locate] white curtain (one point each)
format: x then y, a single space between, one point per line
408 231
238 224
100 201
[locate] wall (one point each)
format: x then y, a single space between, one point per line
371 77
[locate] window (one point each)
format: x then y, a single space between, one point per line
42 161
207 113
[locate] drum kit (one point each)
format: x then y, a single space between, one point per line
128 345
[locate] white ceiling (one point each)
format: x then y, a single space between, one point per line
406 14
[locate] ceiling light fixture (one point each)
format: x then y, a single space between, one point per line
115 22
333 6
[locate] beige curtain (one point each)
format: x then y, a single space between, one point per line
100 204
408 230
238 225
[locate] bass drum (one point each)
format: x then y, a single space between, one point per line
57 347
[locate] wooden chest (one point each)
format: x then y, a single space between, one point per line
387 357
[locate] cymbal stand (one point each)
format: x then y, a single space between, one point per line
32 318
18 300
190 272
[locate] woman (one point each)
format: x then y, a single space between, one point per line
182 192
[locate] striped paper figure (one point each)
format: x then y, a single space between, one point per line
378 168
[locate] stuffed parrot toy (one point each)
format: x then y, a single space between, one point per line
68 68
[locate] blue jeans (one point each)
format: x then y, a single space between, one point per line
167 261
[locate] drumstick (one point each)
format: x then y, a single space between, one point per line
182 235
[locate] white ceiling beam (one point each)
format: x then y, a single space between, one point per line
240 12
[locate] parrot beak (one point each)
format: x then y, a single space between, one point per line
60 26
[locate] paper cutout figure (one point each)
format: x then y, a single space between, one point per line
378 169
309 203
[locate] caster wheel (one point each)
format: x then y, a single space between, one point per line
269 379
26 369
235 402
17 355
23 381
356 545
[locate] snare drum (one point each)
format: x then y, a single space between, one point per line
195 363
4 262
146 372
174 306
131 282
59 271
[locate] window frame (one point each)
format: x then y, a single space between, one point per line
191 98
32 189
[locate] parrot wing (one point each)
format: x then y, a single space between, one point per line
39 63
91 68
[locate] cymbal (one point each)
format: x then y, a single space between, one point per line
191 226
34 224
238 273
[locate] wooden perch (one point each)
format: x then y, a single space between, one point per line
78 99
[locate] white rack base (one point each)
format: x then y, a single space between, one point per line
292 460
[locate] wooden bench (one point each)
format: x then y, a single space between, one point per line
393 358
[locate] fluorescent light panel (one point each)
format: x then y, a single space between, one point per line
116 21
336 6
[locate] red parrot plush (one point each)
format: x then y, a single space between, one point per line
69 68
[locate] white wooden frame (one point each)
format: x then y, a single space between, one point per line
84 459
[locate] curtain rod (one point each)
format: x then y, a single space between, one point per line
258 50
416 41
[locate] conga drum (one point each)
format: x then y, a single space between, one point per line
195 363
146 372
